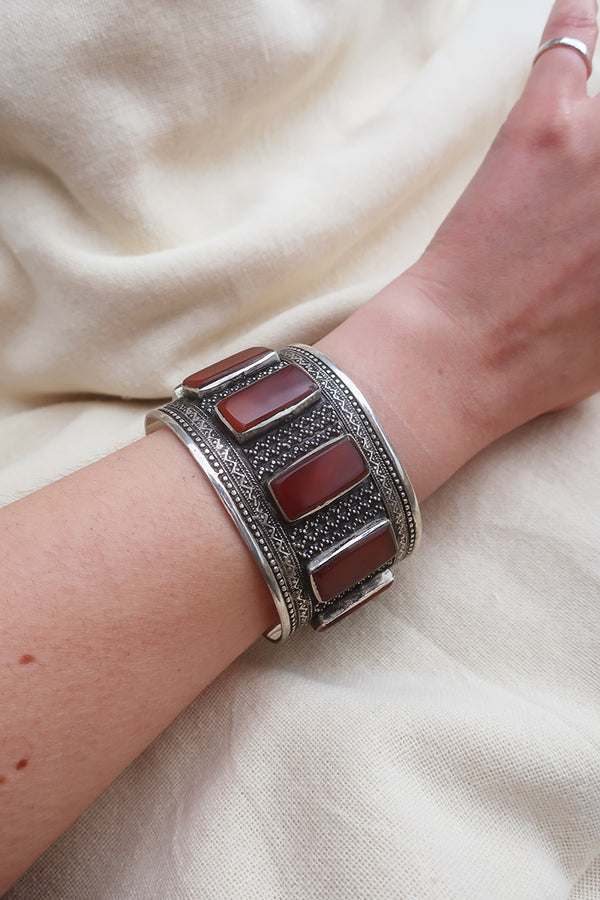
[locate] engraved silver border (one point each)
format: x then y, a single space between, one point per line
339 609
288 413
159 419
330 554
301 459
268 358
410 505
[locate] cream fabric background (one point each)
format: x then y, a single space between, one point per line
178 180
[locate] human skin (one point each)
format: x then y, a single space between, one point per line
120 585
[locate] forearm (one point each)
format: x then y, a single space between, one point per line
125 590
126 587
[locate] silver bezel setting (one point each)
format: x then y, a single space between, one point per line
338 609
341 547
269 358
331 499
288 413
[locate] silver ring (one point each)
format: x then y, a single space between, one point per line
573 43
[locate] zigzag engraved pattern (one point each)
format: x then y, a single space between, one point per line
358 424
240 482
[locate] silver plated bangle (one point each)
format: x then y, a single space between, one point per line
304 469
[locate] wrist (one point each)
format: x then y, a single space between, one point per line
431 386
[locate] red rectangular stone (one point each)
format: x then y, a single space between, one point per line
220 372
254 408
318 478
332 613
353 561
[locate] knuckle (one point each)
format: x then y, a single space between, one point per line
578 20
576 23
554 130
549 126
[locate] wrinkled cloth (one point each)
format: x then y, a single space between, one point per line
181 180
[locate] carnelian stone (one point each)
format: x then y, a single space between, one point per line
354 562
274 394
202 379
318 478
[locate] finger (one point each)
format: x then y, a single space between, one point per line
561 68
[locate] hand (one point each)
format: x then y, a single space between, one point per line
516 265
